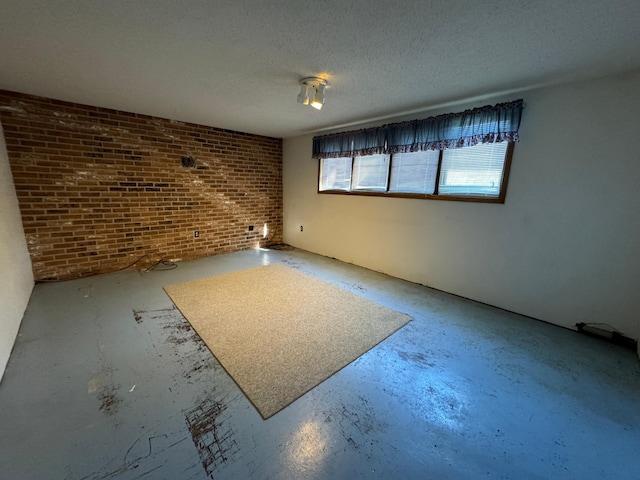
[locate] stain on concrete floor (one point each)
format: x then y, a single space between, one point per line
211 436
463 391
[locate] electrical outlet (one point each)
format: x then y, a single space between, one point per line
196 233
301 228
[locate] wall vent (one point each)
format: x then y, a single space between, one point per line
188 162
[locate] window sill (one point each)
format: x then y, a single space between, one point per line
420 196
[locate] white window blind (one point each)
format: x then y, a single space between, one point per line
370 172
335 174
475 171
414 172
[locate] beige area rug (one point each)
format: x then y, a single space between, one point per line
279 332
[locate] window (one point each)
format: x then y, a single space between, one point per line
475 173
454 156
335 174
414 172
370 173
473 170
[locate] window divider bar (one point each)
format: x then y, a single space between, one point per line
438 172
353 160
389 173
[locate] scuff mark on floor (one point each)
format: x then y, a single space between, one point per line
359 424
211 437
140 315
416 358
356 286
109 400
188 358
169 327
181 334
129 464
105 390
290 262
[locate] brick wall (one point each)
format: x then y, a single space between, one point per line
99 189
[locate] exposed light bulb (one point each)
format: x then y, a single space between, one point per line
318 99
303 96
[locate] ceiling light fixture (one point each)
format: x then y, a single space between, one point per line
312 92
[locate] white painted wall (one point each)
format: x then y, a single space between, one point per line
564 248
16 278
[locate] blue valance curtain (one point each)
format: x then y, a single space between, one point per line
488 124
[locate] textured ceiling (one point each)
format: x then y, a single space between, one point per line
237 64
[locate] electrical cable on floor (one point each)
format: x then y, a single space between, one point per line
611 334
133 263
166 265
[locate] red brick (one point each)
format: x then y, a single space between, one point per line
100 188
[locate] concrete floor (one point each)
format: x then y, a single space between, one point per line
108 381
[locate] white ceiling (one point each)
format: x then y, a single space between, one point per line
236 64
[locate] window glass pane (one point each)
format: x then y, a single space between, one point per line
473 170
370 172
414 172
335 173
